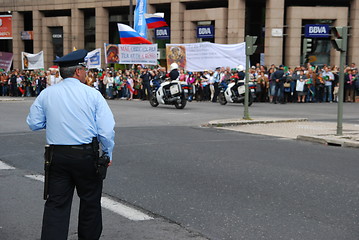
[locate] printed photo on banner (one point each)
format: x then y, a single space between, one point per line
32 61
176 54
196 57
112 54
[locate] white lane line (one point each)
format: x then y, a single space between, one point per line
124 210
109 204
4 166
40 178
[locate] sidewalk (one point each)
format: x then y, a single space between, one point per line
294 128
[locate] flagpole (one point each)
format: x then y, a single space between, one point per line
131 14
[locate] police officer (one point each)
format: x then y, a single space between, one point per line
73 114
146 78
241 76
217 79
174 73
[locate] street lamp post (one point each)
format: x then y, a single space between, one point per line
340 44
250 50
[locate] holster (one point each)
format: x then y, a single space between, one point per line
101 163
47 163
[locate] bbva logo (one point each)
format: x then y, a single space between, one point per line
317 29
204 31
161 32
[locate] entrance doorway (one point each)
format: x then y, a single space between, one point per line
57 35
319 53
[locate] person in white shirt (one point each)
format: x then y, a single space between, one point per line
328 90
109 80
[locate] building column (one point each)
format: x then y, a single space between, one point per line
273 49
17 43
37 17
293 40
177 13
67 35
47 43
77 28
151 32
353 48
236 21
189 27
221 21
102 29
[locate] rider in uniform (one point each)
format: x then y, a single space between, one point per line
75 117
172 75
241 76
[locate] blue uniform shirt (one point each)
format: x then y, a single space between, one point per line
72 114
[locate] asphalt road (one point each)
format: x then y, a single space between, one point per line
200 182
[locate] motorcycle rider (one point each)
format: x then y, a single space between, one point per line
172 75
241 76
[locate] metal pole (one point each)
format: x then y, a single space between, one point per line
246 96
131 14
343 55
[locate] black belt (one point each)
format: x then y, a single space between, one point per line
82 147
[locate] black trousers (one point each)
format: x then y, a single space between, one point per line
216 92
73 168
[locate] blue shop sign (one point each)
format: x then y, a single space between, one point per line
316 30
205 31
162 33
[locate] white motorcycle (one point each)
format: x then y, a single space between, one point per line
170 93
230 94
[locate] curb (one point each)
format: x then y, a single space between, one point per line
330 140
350 139
236 122
11 99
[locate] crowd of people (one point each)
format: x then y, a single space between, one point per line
274 84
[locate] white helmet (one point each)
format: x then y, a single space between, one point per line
173 66
240 68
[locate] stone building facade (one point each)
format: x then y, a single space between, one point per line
90 23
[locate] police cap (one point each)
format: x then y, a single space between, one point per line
72 59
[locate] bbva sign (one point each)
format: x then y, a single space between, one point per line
316 30
162 33
205 31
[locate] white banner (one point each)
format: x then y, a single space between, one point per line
32 61
197 57
93 59
138 54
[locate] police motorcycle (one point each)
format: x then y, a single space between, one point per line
171 91
235 91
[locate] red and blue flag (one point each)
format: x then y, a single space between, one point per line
128 35
155 21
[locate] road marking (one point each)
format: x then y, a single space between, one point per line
4 166
40 178
124 210
112 205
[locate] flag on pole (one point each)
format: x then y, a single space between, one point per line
155 21
128 35
129 87
140 23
